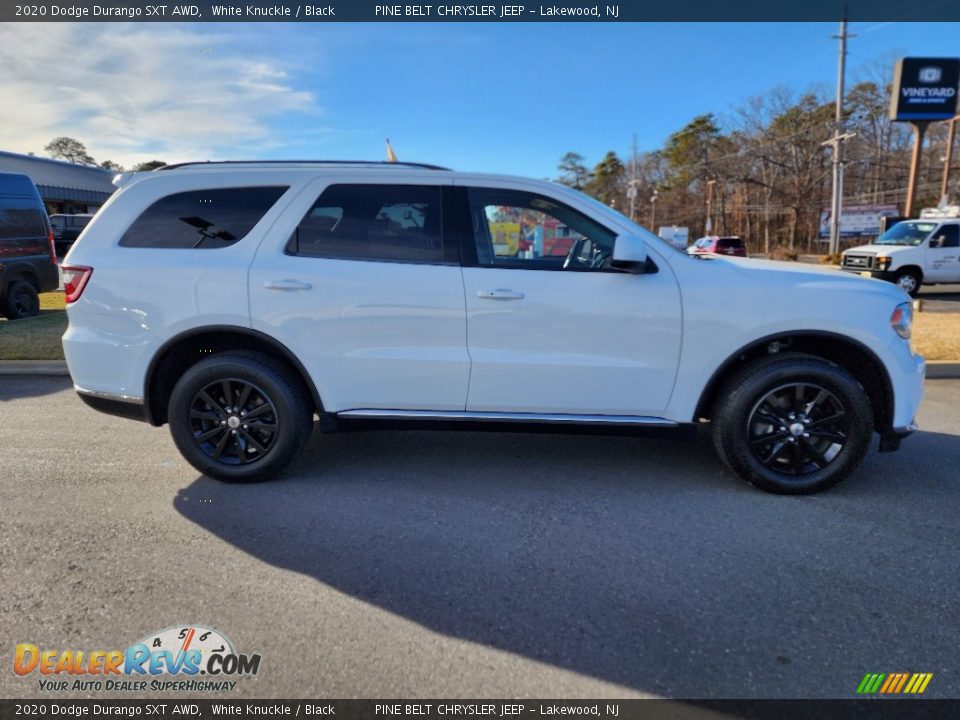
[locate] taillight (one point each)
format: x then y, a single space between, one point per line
75 279
53 247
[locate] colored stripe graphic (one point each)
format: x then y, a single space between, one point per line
870 683
894 683
918 683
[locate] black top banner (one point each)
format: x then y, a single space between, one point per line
558 11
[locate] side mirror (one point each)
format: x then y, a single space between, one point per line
935 242
630 253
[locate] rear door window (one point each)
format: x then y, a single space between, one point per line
398 223
201 219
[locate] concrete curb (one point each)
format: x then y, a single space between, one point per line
33 367
943 369
936 369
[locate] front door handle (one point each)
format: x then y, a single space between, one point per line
499 294
287 285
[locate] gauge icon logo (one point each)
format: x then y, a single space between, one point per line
930 75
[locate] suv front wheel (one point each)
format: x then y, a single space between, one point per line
238 418
792 424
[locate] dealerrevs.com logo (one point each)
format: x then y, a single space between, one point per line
183 657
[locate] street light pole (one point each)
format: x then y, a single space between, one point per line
653 212
836 204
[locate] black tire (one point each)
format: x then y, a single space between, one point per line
792 424
229 438
21 301
909 281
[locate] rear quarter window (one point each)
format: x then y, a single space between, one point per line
202 219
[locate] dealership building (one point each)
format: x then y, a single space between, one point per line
64 187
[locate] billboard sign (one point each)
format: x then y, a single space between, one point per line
925 89
676 236
858 220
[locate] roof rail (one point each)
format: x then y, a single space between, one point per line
378 163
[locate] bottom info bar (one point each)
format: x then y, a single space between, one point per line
446 709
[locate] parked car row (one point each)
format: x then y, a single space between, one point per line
66 229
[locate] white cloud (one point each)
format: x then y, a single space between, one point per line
134 92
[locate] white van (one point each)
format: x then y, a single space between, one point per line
913 252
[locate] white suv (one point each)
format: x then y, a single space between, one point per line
235 301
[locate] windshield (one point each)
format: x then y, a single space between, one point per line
906 233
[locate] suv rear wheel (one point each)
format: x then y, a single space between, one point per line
792 424
238 418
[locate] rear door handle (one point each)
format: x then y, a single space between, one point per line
499 294
287 285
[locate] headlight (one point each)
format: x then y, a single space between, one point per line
883 262
902 320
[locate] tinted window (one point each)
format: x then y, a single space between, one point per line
201 218
20 218
519 229
726 243
373 222
949 236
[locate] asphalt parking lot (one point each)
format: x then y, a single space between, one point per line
940 298
482 565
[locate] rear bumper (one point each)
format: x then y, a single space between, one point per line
120 405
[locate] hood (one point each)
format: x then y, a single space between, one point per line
877 248
811 277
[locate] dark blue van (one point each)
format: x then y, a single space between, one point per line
28 265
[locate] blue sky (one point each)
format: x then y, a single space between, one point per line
478 96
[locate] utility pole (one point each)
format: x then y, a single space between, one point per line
632 190
708 226
653 212
836 205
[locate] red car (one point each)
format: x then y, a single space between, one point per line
719 246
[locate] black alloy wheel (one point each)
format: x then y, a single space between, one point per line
233 421
240 416
798 428
792 423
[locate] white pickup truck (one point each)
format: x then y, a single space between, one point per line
913 252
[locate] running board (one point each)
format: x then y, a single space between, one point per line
501 417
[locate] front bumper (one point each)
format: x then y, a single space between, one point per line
888 275
891 439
